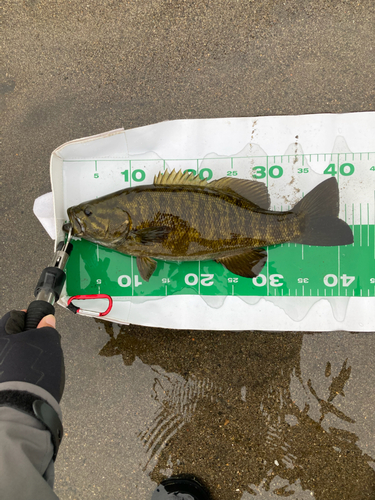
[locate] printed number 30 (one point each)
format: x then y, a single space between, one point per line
275 280
275 172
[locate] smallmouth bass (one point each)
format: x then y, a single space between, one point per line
183 218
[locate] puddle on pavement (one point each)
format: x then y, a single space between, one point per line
253 414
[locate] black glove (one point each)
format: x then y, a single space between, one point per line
34 356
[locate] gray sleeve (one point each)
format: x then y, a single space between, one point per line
26 450
26 466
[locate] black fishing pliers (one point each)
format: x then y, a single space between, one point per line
49 286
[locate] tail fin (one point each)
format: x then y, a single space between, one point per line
321 208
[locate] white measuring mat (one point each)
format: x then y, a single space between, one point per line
301 288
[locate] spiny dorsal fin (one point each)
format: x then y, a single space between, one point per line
253 191
179 178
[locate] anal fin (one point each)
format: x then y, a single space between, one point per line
247 264
146 267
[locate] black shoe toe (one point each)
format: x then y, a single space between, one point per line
181 488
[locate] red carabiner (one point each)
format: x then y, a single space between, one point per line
76 309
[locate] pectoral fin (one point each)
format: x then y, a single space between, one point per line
247 264
146 267
150 235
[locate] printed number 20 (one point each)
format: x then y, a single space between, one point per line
191 279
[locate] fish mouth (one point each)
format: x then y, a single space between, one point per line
75 224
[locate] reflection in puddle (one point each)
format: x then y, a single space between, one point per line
178 401
237 410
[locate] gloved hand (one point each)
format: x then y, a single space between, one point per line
34 356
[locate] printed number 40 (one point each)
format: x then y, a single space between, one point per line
332 279
345 169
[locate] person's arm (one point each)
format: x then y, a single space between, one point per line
31 386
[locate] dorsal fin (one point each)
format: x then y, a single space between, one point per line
253 191
179 178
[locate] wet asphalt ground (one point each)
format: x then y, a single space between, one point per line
253 414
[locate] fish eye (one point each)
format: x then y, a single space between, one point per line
87 211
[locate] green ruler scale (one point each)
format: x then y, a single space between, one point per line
291 270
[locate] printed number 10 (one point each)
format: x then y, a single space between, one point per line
137 175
